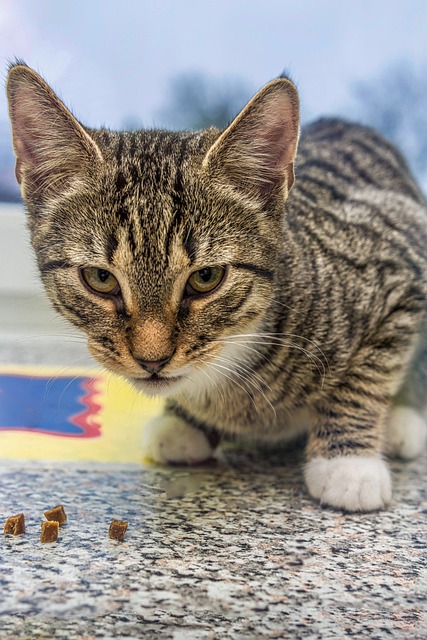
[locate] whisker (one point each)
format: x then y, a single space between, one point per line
277 336
251 377
280 342
62 372
220 368
73 379
245 368
236 369
244 344
63 341
247 380
286 306
215 382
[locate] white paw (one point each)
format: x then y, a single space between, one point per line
168 439
353 483
406 433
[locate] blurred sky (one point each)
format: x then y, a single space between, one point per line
112 61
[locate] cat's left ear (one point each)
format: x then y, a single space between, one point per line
255 154
51 147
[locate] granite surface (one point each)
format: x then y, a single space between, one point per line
234 549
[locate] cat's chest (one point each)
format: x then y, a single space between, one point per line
251 413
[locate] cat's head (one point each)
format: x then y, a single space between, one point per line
161 246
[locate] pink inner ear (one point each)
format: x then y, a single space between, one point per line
280 146
51 146
277 152
25 141
262 148
280 131
23 151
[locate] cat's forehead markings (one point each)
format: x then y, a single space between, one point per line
190 246
126 250
121 181
111 247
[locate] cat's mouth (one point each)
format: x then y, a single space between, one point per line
156 384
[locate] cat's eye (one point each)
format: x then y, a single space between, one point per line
100 281
205 280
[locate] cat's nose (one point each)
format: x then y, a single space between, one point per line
153 366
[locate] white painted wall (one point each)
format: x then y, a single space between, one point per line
24 308
18 273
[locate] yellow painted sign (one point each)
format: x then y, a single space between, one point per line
71 414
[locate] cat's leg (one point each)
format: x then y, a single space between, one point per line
345 467
406 433
175 438
349 482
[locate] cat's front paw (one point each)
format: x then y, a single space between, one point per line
353 483
406 433
170 440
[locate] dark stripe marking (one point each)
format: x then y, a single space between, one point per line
321 184
55 264
111 247
268 274
190 246
210 432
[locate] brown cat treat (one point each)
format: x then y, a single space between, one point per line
15 525
49 531
266 293
117 529
56 513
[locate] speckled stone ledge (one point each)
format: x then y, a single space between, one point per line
230 550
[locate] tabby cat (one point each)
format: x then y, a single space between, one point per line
258 311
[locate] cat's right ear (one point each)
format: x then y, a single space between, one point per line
255 154
51 147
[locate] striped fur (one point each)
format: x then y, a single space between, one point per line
322 311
